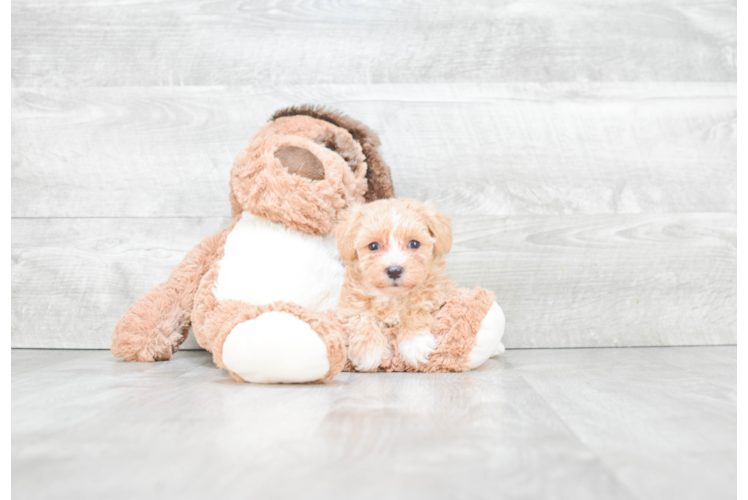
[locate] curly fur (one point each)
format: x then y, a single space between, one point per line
154 327
263 187
352 171
380 313
378 174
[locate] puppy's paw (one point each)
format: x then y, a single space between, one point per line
417 349
367 358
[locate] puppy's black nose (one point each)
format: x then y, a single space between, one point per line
394 272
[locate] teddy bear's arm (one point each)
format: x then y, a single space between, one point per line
468 329
158 322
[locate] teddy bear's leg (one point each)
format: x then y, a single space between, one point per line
468 329
488 340
158 322
276 343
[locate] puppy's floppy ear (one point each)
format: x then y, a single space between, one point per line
346 231
440 228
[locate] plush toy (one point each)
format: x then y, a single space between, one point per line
261 294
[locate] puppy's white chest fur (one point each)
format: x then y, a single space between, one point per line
266 261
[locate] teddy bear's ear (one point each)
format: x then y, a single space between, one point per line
346 232
378 176
440 228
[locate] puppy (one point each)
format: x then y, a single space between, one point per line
394 281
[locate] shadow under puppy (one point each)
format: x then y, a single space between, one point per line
395 280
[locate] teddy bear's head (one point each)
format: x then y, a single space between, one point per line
305 166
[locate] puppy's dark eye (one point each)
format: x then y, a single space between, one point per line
373 247
413 244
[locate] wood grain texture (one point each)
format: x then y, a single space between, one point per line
72 279
563 281
612 424
741 273
605 280
587 151
492 149
125 44
681 402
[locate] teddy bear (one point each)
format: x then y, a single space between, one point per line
261 294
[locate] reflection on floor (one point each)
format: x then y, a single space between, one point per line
555 423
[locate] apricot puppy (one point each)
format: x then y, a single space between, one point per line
394 279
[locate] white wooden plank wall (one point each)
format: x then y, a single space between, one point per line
111 43
587 152
742 194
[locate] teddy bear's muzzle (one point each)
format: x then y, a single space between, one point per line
301 162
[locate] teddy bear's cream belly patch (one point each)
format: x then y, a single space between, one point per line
266 261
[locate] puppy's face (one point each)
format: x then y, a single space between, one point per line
393 243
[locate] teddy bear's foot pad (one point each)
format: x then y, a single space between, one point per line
488 340
276 347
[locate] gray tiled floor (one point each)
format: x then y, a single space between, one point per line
564 423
